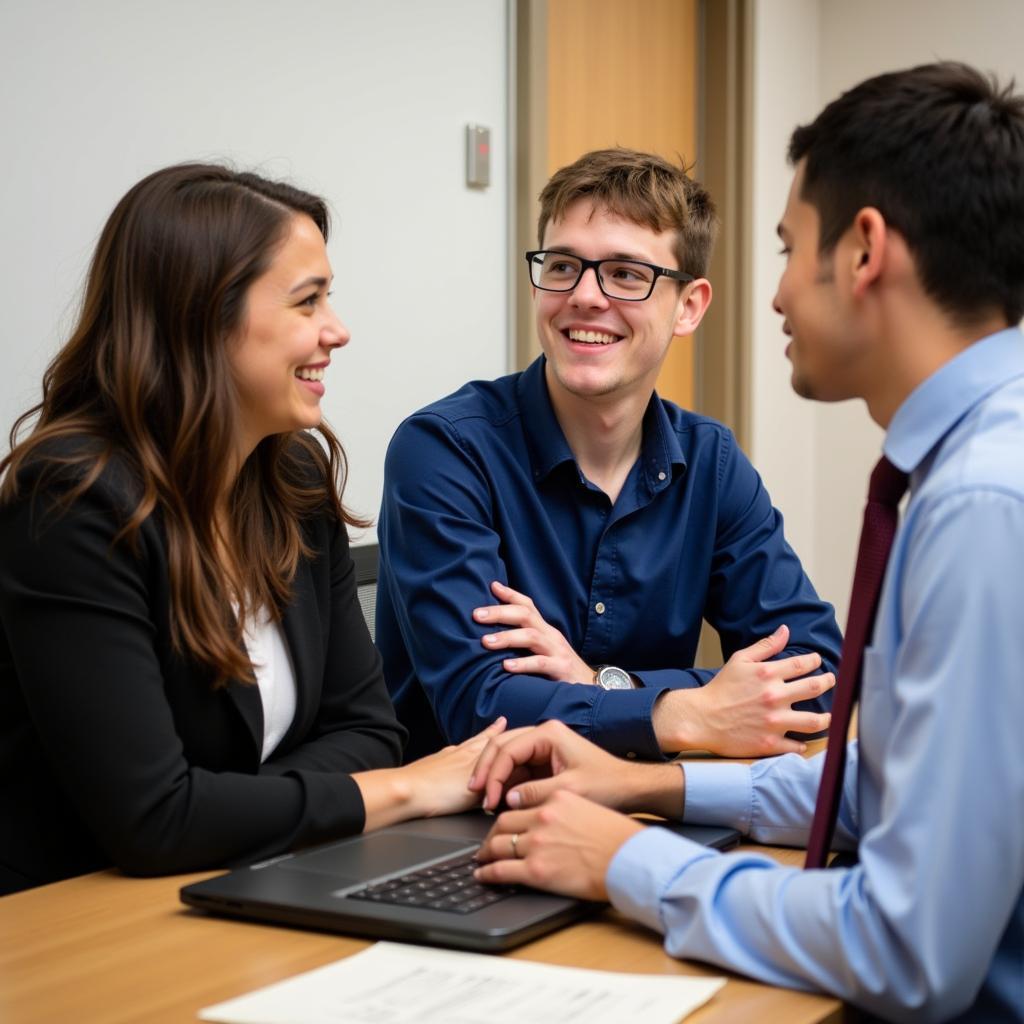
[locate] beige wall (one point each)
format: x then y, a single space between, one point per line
784 92
815 458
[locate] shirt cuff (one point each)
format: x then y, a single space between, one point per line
673 678
718 794
622 723
644 867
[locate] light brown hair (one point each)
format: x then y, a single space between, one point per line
145 377
642 188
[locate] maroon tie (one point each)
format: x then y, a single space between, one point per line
887 486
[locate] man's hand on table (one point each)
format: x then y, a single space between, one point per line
746 709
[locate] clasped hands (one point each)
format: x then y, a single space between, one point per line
565 794
561 833
745 710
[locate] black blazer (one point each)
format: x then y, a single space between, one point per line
116 750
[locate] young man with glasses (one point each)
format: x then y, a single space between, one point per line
551 541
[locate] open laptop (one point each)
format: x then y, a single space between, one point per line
410 882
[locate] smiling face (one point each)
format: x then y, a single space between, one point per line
595 346
824 349
287 338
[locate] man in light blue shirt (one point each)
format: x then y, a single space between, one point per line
904 235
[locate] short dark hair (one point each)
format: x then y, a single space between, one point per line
644 189
939 150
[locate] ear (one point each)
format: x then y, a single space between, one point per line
869 237
693 304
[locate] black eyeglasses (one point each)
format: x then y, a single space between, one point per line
629 280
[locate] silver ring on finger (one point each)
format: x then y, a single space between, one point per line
515 845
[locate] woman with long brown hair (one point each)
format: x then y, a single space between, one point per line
186 680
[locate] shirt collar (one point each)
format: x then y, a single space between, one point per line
544 438
939 402
660 452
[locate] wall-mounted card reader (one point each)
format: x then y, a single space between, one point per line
478 156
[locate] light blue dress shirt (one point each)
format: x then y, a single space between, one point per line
929 926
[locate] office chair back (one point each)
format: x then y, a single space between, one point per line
366 558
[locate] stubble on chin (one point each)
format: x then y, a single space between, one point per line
585 388
799 382
801 386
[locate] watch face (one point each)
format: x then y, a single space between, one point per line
612 678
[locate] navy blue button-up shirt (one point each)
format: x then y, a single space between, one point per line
483 486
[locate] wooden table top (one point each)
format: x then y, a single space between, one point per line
108 948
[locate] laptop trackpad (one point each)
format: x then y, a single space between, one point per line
375 854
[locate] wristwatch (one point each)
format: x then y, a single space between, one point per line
611 677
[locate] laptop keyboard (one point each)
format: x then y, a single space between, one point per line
448 885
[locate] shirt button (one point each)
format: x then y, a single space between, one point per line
599 607
661 475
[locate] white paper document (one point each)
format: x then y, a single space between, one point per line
390 983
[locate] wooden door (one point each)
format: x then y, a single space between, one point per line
609 73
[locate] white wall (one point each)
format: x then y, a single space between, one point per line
785 85
364 103
816 458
